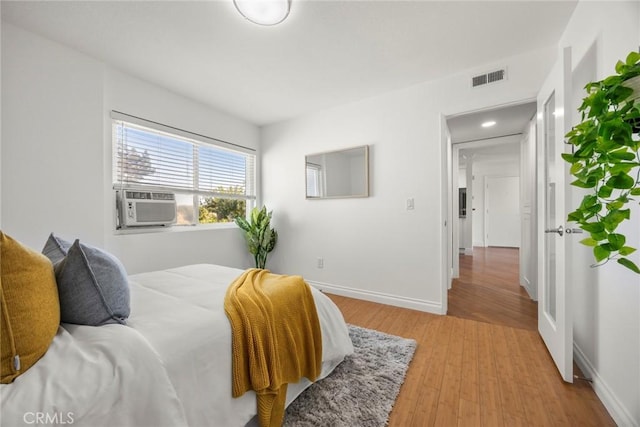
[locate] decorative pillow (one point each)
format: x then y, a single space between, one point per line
93 287
56 248
30 308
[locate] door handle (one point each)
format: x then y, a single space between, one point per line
558 230
574 231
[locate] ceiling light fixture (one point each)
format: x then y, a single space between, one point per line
264 12
488 124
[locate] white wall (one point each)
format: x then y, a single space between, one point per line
56 162
606 299
51 140
374 248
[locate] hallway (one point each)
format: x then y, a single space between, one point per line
488 290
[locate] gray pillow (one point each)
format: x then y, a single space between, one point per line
93 287
56 248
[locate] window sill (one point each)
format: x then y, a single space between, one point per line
175 228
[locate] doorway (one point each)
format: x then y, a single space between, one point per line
493 280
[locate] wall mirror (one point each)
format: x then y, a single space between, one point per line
338 174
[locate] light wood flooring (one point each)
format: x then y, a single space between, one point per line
488 290
467 372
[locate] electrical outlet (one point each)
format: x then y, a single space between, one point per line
320 263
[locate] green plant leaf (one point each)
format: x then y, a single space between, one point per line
588 183
614 218
635 192
622 168
593 227
605 191
588 201
622 154
612 206
598 104
586 148
589 242
621 181
575 216
632 58
576 168
616 241
626 250
568 157
620 93
620 67
595 209
599 236
600 252
612 80
629 264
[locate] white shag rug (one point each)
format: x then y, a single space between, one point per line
361 391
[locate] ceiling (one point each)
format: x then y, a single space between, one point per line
499 143
326 53
510 120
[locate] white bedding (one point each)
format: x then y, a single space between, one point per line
170 366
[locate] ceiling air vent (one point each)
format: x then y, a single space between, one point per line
488 78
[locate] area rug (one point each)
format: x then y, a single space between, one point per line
361 391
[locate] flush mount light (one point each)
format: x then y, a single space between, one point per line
488 124
264 12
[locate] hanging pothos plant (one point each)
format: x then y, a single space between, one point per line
606 161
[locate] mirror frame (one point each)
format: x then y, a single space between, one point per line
352 196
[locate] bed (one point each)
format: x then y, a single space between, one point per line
169 366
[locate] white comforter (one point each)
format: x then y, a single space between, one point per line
170 366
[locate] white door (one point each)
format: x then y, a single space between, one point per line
555 317
502 211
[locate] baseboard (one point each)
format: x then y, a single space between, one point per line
616 409
526 284
379 297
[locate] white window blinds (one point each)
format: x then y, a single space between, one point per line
158 159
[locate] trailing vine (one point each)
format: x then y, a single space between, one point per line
606 161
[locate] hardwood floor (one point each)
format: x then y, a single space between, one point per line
471 373
488 290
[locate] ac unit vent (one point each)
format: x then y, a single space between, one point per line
488 78
495 76
479 80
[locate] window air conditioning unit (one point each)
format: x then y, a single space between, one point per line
146 208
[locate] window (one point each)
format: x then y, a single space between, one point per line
314 180
214 181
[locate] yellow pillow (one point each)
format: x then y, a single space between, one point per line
30 310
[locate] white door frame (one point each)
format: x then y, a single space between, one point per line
455 209
447 214
448 195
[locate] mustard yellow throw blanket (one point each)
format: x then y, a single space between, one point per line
276 338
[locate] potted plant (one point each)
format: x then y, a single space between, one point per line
260 237
606 161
